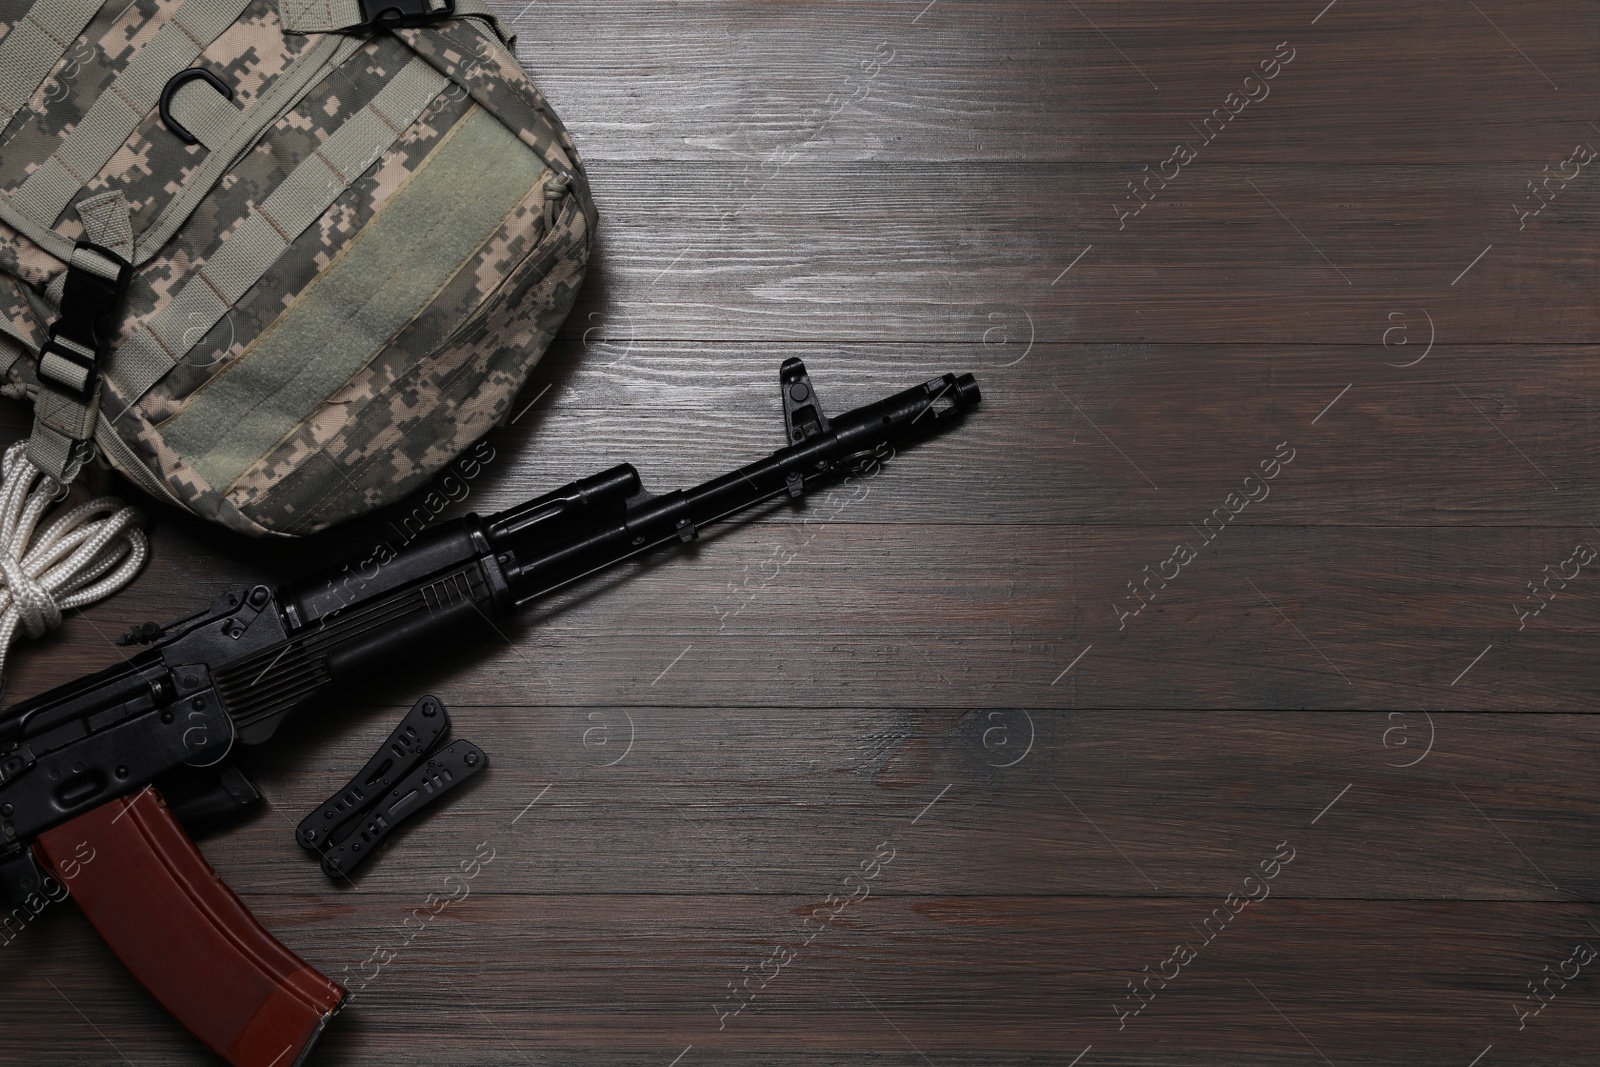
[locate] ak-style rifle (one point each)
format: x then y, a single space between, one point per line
101 779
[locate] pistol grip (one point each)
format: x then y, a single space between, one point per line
185 935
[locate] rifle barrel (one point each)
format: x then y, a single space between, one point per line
646 521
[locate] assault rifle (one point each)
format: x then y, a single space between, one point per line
100 778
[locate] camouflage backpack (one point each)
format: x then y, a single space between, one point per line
276 261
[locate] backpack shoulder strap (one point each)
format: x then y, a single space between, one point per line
70 362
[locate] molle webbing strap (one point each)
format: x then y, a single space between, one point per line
331 50
319 16
207 115
381 280
35 45
301 199
119 110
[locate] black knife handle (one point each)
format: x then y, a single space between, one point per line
418 732
444 771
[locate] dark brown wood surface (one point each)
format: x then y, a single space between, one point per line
690 756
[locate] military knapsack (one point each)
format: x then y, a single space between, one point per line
276 261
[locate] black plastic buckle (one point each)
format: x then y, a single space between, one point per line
394 14
410 771
91 306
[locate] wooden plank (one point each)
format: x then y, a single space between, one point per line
973 616
1070 433
893 191
1270 253
1145 804
985 979
761 83
1066 435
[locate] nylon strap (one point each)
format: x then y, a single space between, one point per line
68 403
108 222
35 45
72 373
328 16
331 50
479 9
318 16
291 209
206 113
119 110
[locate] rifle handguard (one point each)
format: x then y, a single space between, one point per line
187 938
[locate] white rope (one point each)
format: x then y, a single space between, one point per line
85 554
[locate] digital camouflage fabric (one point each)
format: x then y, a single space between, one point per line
338 287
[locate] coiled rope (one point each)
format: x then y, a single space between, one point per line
85 554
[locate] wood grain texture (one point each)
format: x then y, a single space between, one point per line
922 252
1431 82
981 658
1188 799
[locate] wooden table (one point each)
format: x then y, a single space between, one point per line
1195 687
